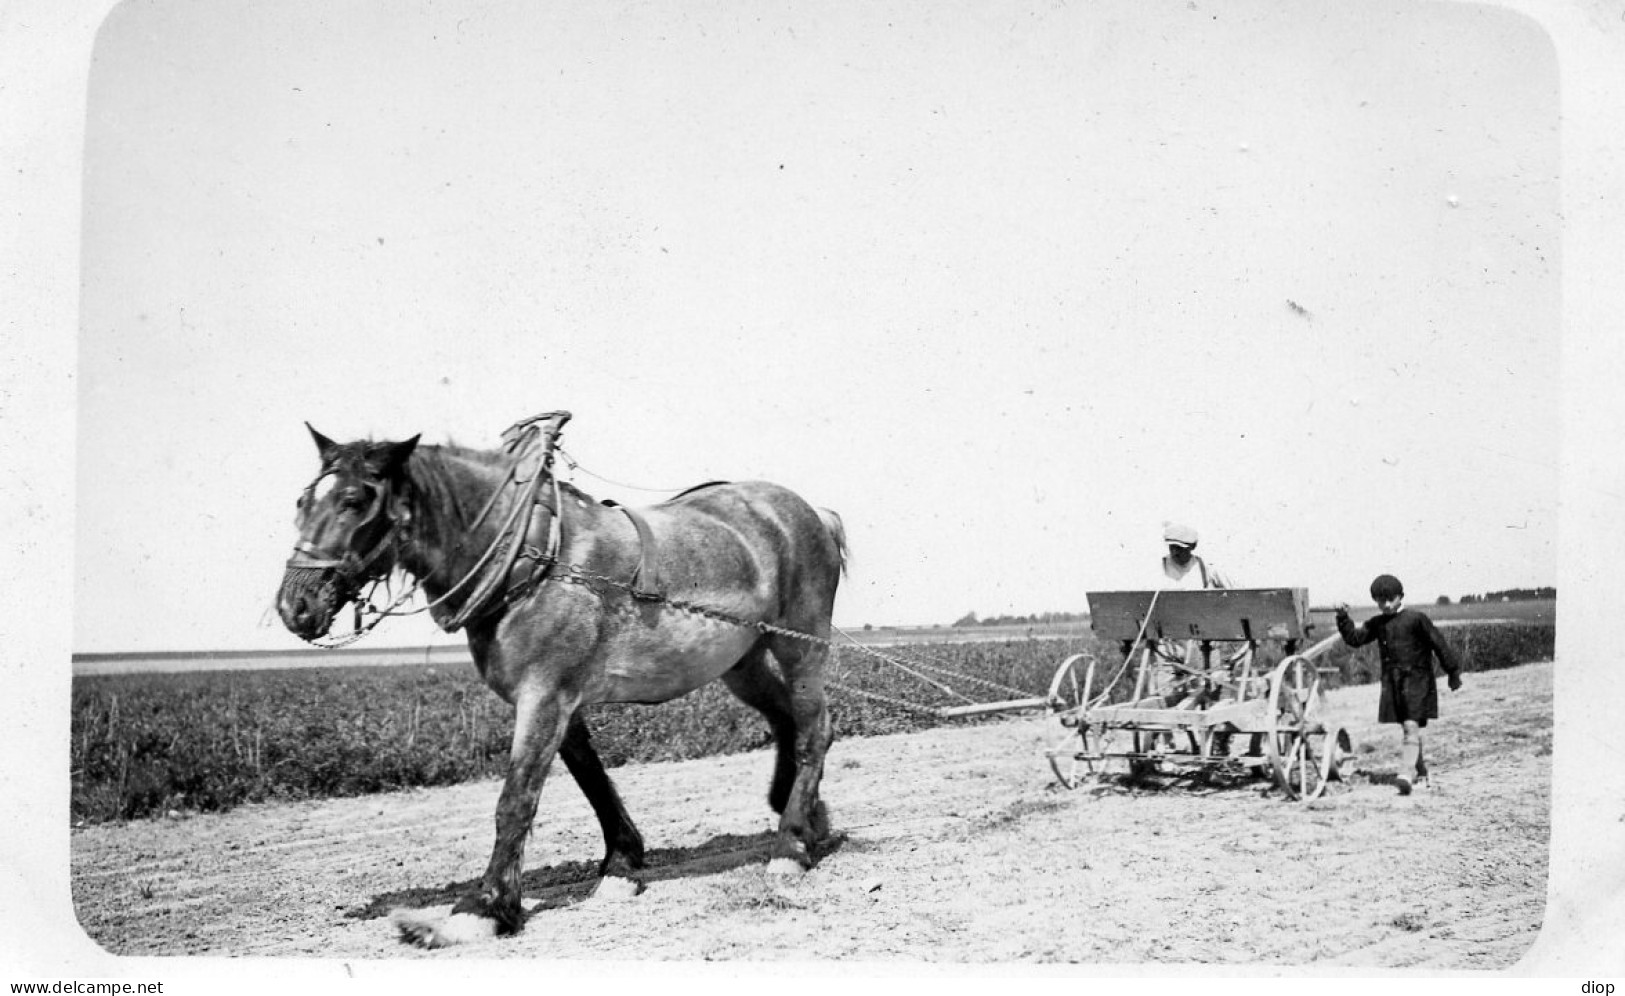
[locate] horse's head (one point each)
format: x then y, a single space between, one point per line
348 520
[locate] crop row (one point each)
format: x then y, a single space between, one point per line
145 745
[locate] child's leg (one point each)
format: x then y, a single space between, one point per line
1410 752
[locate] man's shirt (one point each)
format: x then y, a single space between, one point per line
1196 574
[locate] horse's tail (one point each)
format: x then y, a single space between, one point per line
837 532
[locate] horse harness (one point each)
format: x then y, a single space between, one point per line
646 585
543 565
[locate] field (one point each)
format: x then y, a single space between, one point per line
951 845
146 744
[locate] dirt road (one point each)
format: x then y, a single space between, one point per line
952 845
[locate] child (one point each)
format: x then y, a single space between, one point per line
1408 641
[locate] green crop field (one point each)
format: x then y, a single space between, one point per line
208 740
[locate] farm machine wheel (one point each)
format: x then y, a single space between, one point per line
1078 759
1303 752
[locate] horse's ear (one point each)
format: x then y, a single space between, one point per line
400 506
398 453
324 446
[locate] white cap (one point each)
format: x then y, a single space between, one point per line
1179 535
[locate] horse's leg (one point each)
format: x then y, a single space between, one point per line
538 729
623 845
756 685
804 822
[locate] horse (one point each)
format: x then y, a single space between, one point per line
567 602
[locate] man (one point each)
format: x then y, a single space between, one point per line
1182 568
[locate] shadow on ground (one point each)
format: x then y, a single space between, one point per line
573 881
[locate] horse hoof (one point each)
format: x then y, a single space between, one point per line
615 889
426 930
785 868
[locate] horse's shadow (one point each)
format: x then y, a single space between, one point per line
573 881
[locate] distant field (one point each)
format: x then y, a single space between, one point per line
1533 611
85 665
1539 612
880 636
1321 617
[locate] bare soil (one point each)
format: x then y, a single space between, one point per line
953 845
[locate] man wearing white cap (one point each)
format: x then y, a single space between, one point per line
1182 568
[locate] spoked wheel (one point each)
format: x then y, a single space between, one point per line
1076 760
1301 749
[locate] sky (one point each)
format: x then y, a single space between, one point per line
1008 285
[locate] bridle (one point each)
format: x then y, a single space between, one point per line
351 566
307 568
489 573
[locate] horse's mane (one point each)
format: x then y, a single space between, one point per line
488 457
434 476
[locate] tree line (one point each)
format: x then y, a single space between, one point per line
1036 619
1512 595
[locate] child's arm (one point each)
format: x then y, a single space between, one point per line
1448 658
1353 635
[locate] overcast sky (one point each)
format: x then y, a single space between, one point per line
1005 284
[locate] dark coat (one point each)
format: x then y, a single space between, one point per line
1408 642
